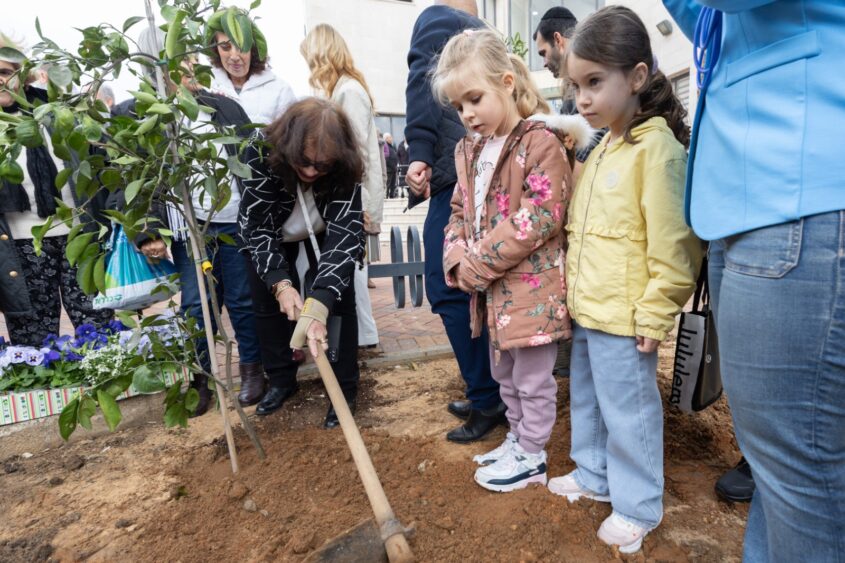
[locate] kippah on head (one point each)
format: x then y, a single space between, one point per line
558 13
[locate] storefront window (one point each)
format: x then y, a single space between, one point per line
487 10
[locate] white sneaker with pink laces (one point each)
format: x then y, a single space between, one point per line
568 487
615 530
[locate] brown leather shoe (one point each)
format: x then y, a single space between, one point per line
252 384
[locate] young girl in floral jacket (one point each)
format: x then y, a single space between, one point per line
504 241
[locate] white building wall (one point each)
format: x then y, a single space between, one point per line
378 33
673 52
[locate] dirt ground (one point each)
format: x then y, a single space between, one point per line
151 494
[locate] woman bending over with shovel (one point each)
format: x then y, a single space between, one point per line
304 201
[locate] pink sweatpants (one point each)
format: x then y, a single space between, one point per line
529 390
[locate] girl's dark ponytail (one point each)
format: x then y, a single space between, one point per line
658 99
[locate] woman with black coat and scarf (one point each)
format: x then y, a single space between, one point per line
304 193
34 288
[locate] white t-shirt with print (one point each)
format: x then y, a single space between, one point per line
484 168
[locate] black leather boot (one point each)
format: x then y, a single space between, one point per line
460 408
200 383
252 384
737 485
479 423
275 398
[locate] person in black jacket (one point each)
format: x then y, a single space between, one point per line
432 131
391 161
231 269
35 286
305 196
551 36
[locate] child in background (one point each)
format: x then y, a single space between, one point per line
631 265
504 241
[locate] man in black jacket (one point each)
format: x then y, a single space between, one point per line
551 36
391 161
432 132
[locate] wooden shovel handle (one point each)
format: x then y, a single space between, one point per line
396 545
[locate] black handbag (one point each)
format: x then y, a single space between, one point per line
696 378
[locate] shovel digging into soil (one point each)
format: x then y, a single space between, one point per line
367 541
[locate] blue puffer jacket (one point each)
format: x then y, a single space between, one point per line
767 147
432 130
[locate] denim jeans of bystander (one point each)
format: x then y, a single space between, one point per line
779 297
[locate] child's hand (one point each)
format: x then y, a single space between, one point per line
460 279
647 345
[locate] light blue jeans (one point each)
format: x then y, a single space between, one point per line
617 423
779 297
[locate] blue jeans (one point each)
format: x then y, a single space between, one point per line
231 273
617 423
779 297
453 307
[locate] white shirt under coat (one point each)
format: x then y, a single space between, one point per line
264 96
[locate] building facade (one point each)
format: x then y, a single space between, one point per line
379 31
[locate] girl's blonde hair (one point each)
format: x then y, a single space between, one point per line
483 54
329 59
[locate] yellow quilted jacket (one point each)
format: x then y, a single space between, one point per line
632 261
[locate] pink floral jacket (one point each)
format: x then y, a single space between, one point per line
516 265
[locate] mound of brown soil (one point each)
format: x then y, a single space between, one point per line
148 494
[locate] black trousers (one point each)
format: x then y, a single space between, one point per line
275 330
52 284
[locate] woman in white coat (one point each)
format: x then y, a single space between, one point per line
333 73
244 77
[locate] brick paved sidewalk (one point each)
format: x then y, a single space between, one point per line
401 331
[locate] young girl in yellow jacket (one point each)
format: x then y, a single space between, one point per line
631 265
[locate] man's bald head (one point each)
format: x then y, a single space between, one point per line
468 6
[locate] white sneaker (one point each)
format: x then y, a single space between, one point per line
513 471
615 530
568 487
494 455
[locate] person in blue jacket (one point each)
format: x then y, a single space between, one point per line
432 131
766 185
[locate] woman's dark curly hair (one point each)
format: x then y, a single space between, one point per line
256 64
615 36
319 125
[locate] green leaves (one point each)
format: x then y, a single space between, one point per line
12 55
77 246
147 125
145 381
176 411
132 190
238 168
188 104
172 46
131 21
111 412
159 109
28 133
68 419
60 75
237 26
11 171
144 97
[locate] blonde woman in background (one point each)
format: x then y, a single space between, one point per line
333 73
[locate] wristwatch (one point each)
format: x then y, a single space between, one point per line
279 287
